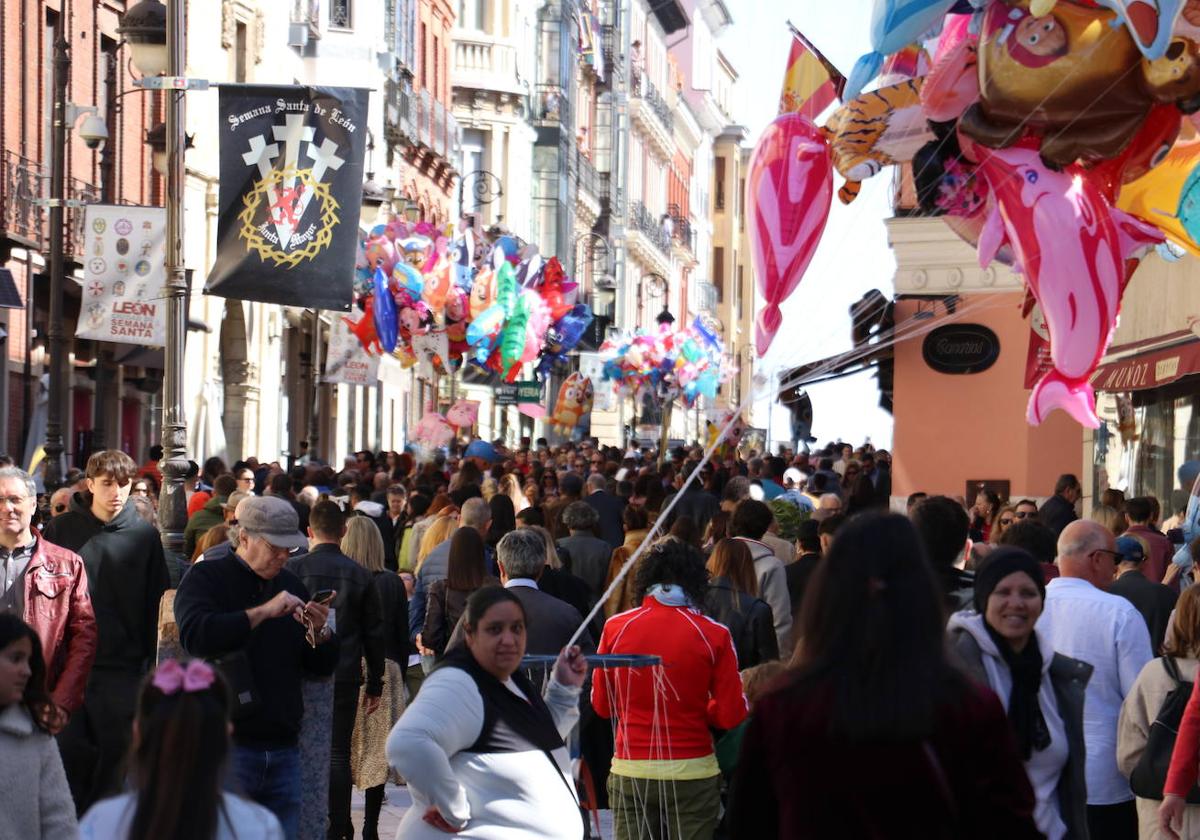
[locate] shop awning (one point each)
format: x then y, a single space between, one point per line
1151 369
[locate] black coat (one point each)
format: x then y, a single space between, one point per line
697 504
127 576
610 509
750 621
1057 513
388 587
359 616
1155 601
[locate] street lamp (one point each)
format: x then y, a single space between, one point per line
485 188
155 34
156 139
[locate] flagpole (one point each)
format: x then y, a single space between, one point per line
835 75
172 508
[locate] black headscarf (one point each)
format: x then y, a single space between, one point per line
1024 711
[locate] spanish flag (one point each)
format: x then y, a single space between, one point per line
811 83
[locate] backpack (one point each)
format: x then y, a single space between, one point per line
1150 774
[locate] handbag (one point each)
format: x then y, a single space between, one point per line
1150 774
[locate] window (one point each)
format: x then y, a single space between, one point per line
437 59
718 272
421 59
340 14
471 14
719 183
240 47
741 208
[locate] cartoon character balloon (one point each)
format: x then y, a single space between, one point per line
894 25
574 401
788 192
1072 248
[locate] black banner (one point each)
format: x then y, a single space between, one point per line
291 192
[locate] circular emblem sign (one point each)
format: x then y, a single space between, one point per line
961 348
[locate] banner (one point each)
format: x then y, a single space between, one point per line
124 275
591 365
811 83
345 360
291 192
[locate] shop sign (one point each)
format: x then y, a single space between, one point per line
517 393
961 348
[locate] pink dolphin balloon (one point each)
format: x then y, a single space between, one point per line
1071 246
788 193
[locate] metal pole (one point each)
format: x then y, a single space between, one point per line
53 477
172 506
314 416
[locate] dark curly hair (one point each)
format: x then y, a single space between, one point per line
670 560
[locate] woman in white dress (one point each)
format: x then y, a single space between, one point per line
481 749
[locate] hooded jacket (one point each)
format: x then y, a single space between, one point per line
208 517
772 588
1068 679
127 576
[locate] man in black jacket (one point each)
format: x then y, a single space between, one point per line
358 618
1059 510
694 501
241 605
127 575
1153 600
608 507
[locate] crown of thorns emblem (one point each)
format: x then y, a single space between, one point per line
273 214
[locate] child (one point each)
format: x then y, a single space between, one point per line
35 801
177 766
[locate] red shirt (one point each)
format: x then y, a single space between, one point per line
1185 758
1158 552
702 688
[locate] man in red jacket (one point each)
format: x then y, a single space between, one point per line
48 587
664 771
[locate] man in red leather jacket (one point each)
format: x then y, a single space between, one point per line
48 587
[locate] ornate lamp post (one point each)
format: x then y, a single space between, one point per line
485 188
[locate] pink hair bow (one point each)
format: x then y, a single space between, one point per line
170 676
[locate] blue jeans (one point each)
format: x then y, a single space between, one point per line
272 779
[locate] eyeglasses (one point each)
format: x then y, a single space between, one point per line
1117 556
1006 521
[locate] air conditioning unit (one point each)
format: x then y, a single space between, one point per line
298 35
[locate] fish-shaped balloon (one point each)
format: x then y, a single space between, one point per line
385 311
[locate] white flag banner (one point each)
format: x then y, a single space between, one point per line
346 360
124 275
591 365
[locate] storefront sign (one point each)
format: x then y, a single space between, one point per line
1148 370
124 275
961 348
519 392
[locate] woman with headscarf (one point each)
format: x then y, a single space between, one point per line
1043 691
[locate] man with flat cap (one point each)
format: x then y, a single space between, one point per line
241 607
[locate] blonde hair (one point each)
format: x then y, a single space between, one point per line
551 554
1110 518
998 529
510 486
363 543
489 488
442 529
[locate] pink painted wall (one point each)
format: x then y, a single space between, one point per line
951 428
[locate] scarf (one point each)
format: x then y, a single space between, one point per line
669 595
1024 711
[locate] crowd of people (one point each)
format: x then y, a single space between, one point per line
745 646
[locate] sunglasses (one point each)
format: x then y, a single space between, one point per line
1117 556
1024 514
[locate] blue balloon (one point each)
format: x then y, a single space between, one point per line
894 25
385 312
408 279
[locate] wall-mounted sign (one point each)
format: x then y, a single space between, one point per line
519 392
123 296
961 348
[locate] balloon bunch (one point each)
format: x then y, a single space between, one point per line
434 297
687 363
1042 131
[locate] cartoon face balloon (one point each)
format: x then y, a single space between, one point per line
574 401
483 292
788 192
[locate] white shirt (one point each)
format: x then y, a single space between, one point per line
240 819
1108 633
528 582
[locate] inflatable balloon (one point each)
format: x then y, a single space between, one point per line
789 188
1149 22
883 127
385 312
552 288
574 401
952 85
437 286
364 329
536 327
506 289
512 338
563 336
1168 196
894 25
408 280
1073 78
433 431
483 292
1071 247
463 414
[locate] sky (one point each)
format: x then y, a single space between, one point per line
853 256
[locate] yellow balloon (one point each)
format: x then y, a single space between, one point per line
1154 197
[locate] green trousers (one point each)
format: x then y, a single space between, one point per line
650 809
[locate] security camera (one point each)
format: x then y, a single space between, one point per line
93 132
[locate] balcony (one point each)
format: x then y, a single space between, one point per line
647 239
706 297
552 107
75 236
484 62
22 219
652 116
587 197
400 117
683 236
